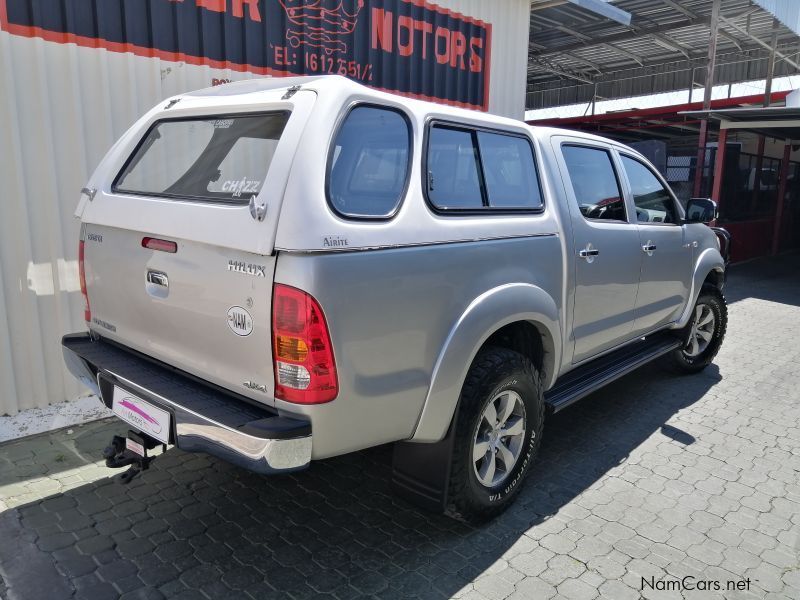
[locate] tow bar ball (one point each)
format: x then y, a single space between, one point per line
131 452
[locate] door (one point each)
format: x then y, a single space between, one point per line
666 257
605 251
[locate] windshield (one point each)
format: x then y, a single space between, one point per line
210 158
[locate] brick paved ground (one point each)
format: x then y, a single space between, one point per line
657 476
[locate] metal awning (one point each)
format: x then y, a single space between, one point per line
576 54
780 122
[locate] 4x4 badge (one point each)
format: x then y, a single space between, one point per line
258 387
247 268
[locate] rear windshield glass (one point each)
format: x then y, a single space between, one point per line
222 158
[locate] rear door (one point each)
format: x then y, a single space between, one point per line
178 263
605 249
666 257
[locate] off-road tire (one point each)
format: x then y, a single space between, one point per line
493 371
678 359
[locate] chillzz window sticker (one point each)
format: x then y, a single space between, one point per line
237 187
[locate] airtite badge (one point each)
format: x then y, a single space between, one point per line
240 321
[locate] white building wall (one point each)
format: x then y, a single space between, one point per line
61 107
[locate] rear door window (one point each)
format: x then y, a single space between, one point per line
510 172
369 163
470 169
454 180
219 158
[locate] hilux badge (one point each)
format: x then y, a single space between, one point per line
247 268
240 321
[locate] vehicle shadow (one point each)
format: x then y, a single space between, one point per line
772 278
193 522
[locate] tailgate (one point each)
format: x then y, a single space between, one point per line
203 309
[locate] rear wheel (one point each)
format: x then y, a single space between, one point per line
703 336
498 429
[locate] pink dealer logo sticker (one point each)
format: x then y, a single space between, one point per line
139 415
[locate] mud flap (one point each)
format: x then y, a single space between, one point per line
421 472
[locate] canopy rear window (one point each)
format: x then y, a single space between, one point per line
223 159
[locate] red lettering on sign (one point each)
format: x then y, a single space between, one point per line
382 26
407 24
221 6
458 47
451 47
443 57
212 5
425 28
252 5
475 60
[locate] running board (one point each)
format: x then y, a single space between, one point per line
590 377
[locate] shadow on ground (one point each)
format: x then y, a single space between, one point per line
773 279
193 522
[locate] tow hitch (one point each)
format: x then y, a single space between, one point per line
131 451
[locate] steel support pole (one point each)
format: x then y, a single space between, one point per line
712 58
719 166
776 229
771 65
756 197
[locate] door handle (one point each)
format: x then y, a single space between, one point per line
157 278
588 253
649 248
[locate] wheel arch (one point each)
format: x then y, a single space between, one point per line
715 277
522 317
709 268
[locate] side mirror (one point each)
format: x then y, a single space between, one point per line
700 210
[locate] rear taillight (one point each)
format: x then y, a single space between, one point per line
305 372
87 311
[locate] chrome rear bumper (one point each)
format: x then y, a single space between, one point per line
205 418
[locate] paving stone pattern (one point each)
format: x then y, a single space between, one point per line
657 477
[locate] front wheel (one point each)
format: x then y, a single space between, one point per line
498 431
703 336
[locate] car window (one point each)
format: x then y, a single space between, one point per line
509 170
594 182
470 169
369 163
653 201
453 177
211 158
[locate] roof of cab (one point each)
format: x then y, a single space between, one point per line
542 131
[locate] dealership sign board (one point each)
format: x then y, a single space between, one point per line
410 47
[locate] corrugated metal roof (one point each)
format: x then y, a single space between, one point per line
663 49
769 113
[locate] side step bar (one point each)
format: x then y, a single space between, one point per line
590 377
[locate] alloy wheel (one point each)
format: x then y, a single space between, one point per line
499 437
702 331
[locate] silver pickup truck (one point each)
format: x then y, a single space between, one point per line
283 270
